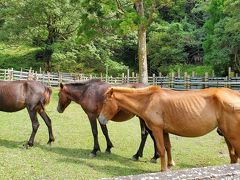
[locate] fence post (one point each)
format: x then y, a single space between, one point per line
172 80
123 81
188 82
185 80
154 80
193 74
206 80
128 73
60 78
229 77
30 74
226 80
5 74
160 77
49 82
106 78
20 77
229 72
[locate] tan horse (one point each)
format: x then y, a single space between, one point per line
184 113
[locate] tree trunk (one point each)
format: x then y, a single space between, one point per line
142 45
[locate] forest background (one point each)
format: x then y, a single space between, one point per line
89 35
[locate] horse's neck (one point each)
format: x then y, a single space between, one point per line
132 101
76 93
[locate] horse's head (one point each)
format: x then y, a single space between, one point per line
64 99
110 107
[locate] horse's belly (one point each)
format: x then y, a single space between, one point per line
191 126
11 106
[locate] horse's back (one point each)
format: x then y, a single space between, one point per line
16 95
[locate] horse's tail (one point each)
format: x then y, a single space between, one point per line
45 99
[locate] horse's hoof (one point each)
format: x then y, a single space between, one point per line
27 145
171 164
134 158
50 142
108 151
92 155
153 160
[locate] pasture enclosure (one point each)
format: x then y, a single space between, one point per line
173 80
68 157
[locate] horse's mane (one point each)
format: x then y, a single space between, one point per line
86 82
133 90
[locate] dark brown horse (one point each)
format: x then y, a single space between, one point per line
90 95
17 95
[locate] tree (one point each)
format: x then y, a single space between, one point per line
122 17
42 22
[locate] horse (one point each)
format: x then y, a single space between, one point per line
32 95
90 96
183 113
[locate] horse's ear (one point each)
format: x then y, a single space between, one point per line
110 92
61 85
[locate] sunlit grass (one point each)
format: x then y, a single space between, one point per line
68 157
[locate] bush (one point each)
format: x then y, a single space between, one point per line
199 70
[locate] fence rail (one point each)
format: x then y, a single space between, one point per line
171 81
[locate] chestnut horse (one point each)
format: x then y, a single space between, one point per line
183 113
90 95
17 95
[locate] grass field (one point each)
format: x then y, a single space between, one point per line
68 157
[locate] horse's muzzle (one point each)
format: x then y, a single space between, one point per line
59 110
102 120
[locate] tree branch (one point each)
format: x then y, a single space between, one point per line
119 6
152 11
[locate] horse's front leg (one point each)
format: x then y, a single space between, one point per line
93 122
158 135
105 132
168 147
48 122
35 125
144 134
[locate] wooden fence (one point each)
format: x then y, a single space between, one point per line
174 81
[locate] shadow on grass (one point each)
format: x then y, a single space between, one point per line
12 144
79 153
111 170
81 156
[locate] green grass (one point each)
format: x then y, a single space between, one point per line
68 157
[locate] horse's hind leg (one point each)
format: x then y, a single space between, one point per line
93 122
105 132
232 153
35 125
144 135
156 154
48 122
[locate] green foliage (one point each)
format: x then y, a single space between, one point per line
199 70
88 35
166 45
222 48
